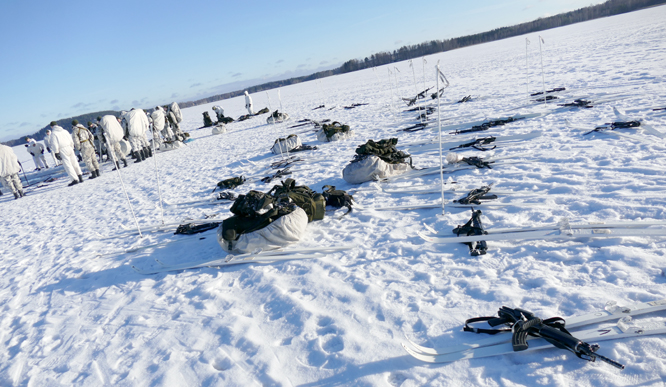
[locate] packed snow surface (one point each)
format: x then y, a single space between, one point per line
74 312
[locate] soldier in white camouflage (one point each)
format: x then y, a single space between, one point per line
83 142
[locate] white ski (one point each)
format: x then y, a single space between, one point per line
447 205
610 312
266 256
500 141
593 232
620 331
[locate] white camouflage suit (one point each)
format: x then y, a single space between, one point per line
9 169
158 126
37 151
248 104
113 133
62 144
137 126
83 142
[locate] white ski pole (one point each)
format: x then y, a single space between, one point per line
113 157
527 71
157 176
439 125
543 79
416 90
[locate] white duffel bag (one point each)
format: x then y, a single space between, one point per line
283 145
219 129
285 230
372 168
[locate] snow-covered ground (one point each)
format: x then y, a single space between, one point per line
73 314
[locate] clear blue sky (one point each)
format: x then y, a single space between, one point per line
68 57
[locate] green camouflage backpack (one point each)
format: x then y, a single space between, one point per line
311 202
384 149
230 183
252 212
335 127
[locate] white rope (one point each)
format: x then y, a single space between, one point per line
527 71
416 90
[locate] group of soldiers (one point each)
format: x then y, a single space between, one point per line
103 137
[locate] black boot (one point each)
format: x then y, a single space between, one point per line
74 182
117 166
149 151
125 162
80 179
137 156
97 172
92 175
142 154
21 193
16 195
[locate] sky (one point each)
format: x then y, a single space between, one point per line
63 58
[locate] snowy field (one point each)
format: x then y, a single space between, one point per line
75 313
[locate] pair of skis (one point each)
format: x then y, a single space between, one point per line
460 145
562 230
500 343
262 257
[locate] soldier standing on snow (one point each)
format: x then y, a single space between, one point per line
158 126
9 169
113 133
248 104
37 151
63 147
47 142
137 126
83 142
175 117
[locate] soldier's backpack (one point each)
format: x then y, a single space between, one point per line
230 183
337 198
314 204
384 149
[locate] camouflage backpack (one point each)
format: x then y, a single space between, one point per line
311 202
337 198
384 149
335 127
230 183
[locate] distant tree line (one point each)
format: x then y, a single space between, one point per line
65 123
608 8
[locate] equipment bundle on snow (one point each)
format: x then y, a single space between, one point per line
375 161
488 125
220 128
616 125
230 183
476 195
334 132
421 95
523 323
337 198
478 162
193 228
207 121
578 103
277 117
313 203
465 99
473 227
556 89
270 221
280 173
290 144
478 144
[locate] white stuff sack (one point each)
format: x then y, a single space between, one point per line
125 147
283 145
321 136
219 129
285 230
372 168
